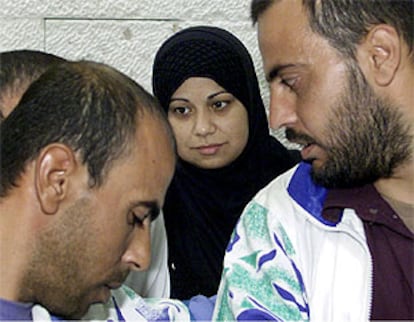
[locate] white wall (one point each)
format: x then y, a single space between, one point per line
123 33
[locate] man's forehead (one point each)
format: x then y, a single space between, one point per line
281 18
154 141
154 128
284 35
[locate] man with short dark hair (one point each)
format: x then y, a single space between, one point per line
18 69
86 158
332 239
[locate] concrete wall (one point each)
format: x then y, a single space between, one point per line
123 33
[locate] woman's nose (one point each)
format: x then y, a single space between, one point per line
204 124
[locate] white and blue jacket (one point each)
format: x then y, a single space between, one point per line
286 262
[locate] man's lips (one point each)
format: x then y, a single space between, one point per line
306 142
306 151
117 280
299 138
113 285
104 291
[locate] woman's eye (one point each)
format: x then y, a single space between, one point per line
181 110
219 105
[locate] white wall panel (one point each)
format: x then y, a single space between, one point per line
123 33
128 45
91 8
215 10
20 33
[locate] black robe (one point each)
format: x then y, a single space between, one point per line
202 206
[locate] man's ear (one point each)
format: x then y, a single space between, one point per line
54 166
379 55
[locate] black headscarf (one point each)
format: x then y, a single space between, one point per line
202 206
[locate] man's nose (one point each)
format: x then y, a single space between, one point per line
282 110
138 253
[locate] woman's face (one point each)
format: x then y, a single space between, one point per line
210 124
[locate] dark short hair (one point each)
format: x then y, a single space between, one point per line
88 106
19 68
258 7
344 23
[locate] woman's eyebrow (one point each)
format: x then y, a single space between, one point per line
178 99
218 93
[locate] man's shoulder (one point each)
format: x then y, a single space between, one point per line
295 186
129 305
10 310
277 186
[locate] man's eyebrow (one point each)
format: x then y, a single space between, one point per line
153 206
275 71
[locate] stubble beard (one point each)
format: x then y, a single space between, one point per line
55 277
367 138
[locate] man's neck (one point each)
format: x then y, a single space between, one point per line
400 186
15 248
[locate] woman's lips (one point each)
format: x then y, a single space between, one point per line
210 149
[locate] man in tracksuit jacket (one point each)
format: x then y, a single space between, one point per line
332 239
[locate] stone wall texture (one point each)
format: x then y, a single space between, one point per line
123 33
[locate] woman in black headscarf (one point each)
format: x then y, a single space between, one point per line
208 192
